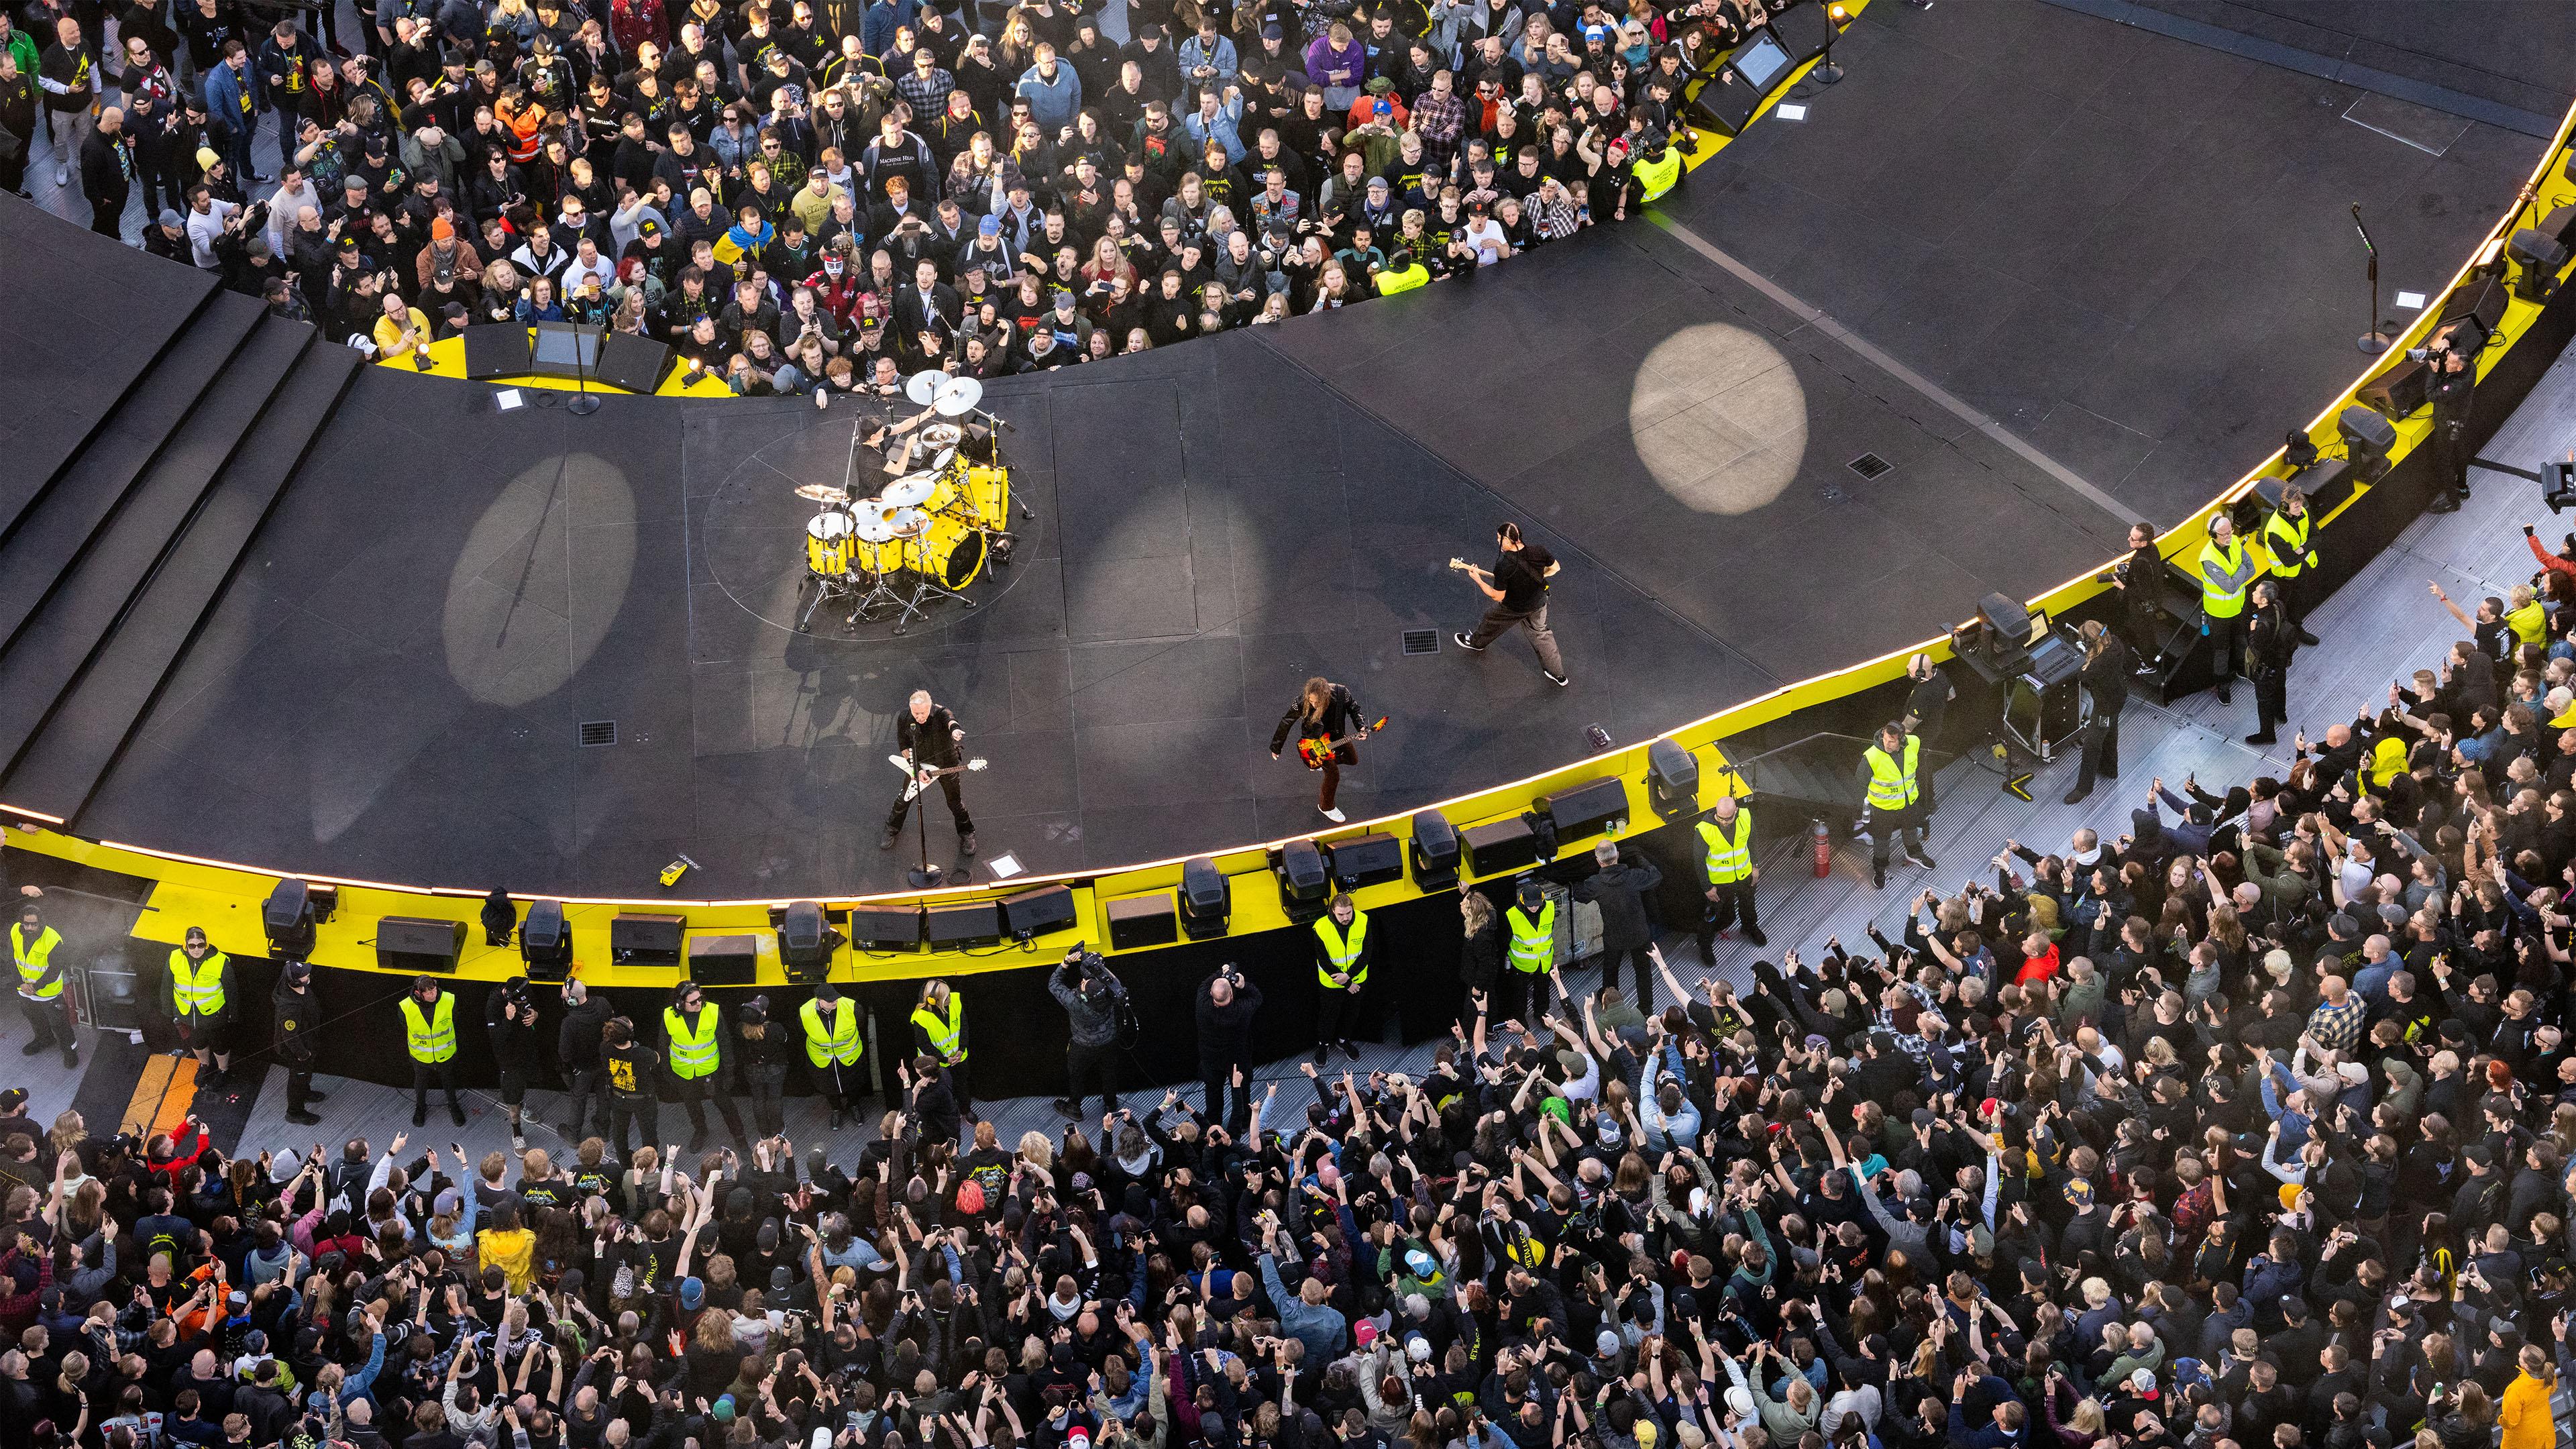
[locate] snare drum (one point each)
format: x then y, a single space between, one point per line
828 544
873 546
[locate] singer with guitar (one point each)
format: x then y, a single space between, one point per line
929 736
1327 723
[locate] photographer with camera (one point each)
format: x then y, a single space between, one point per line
1094 1002
1226 1007
2453 384
511 1017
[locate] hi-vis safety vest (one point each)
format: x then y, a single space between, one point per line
1343 952
693 1045
32 962
947 1038
432 1038
197 988
2287 543
1533 942
1729 861
2220 603
1654 178
1892 787
838 1042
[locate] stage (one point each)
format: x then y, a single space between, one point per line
2052 273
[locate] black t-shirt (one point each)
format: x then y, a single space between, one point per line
1522 576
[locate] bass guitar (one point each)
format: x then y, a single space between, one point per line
922 779
1316 751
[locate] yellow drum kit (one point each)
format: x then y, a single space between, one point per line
930 532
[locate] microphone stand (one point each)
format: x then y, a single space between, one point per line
585 402
927 877
2373 342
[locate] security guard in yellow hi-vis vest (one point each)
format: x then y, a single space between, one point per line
1891 792
1727 876
939 1033
832 1049
1529 930
202 1003
693 1052
1342 951
429 1034
2226 568
37 950
2289 539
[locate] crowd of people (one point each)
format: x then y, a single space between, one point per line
789 191
2248 1129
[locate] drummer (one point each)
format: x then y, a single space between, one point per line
898 443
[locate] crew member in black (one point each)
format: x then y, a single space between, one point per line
2271 637
632 1070
1324 712
293 1017
2140 578
2455 378
929 736
511 1019
1517 587
2106 680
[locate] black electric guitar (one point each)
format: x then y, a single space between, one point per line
1316 751
923 779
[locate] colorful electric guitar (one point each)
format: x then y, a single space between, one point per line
1315 752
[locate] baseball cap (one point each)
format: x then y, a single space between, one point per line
989 226
1377 183
1596 32
169 218
1271 31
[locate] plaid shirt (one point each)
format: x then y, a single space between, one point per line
1441 120
2336 1028
927 95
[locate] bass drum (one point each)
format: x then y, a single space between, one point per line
955 555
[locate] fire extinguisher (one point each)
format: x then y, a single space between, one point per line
1824 850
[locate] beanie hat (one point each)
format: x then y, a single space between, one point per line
442 229
970 1198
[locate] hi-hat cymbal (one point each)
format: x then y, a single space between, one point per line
822 492
958 396
923 387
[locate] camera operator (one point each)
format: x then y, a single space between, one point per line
2455 379
512 1019
2138 579
1093 999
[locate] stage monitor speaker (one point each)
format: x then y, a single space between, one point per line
414 945
1038 912
1304 884
1589 809
2400 391
1365 860
2536 260
496 350
646 939
959 928
1207 898
1143 921
632 363
724 960
1725 104
881 928
1672 778
2366 435
2479 303
1803 31
1500 848
545 942
1434 851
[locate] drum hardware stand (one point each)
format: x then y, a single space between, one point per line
831 588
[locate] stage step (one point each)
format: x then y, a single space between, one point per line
77 355
59 637
59 771
44 538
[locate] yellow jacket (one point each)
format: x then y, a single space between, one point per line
513 1252
2525 1415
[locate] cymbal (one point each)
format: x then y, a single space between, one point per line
943 435
923 387
910 489
958 396
822 492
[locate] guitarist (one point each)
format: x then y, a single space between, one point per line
1324 712
929 736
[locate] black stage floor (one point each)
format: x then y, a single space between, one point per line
2135 254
